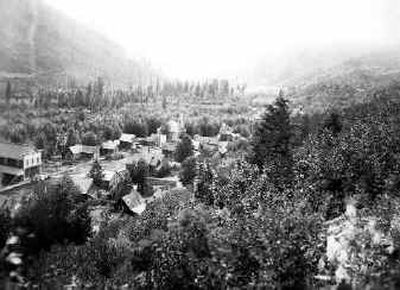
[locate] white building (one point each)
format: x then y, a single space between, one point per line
175 130
19 162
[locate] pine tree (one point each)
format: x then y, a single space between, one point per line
184 149
333 123
188 171
271 144
164 103
8 92
205 187
96 173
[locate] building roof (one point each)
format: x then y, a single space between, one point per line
83 182
79 148
135 202
110 145
15 151
109 174
76 149
206 139
128 138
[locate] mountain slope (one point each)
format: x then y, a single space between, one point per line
40 42
354 80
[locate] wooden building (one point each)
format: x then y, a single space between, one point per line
19 162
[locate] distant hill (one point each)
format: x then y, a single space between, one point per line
351 81
40 43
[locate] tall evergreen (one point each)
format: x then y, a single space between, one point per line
271 143
333 123
184 149
8 92
96 173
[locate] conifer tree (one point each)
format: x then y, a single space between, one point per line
96 173
8 92
333 123
184 149
271 143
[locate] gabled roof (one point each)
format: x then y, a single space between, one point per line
83 182
15 151
76 149
135 202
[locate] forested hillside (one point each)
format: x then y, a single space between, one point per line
352 81
40 42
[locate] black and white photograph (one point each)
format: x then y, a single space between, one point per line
200 144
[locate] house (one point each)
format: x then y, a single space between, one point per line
133 203
175 130
159 139
19 162
109 147
82 151
126 141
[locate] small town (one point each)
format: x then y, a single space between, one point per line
22 165
200 145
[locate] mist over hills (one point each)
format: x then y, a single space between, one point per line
320 78
353 80
39 42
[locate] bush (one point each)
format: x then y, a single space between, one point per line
56 214
89 139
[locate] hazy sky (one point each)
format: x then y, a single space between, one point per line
199 38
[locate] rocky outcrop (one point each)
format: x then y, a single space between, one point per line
356 247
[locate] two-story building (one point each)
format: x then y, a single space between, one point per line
19 162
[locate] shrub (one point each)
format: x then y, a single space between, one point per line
56 214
